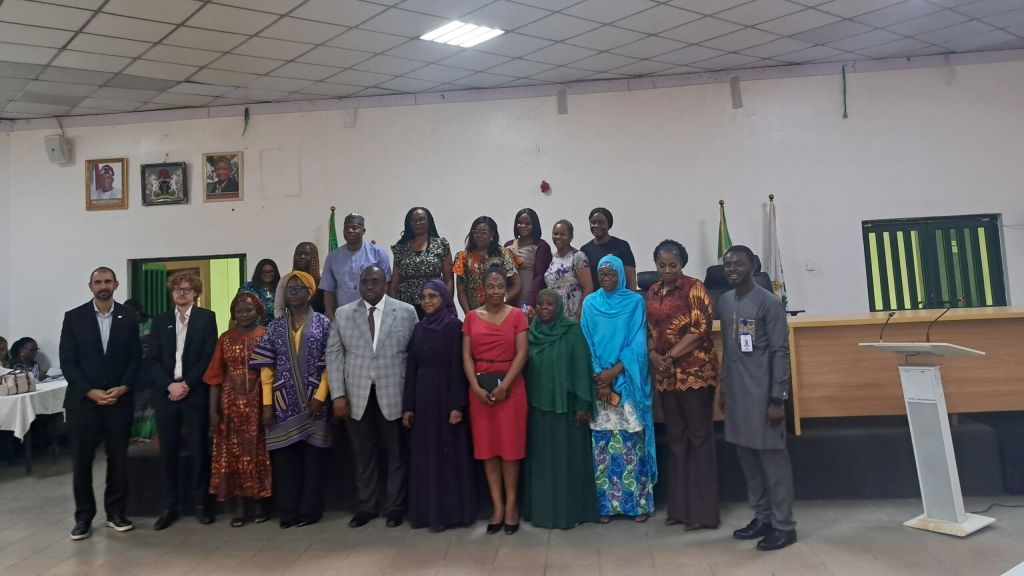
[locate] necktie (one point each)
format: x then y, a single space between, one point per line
373 325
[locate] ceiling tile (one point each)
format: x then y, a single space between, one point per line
179 55
21 34
228 102
513 45
35 13
759 11
204 39
50 98
643 68
140 82
163 70
201 89
271 48
84 4
505 15
955 32
484 80
856 43
851 8
375 92
61 88
424 51
328 56
649 47
275 6
82 111
7 95
558 27
20 70
26 54
706 6
832 32
409 85
473 60
450 9
367 41
562 74
897 48
798 22
811 2
247 64
55 74
448 88
808 54
701 30
725 62
606 38
255 95
107 45
519 68
361 78
980 41
403 23
173 11
104 63
16 84
125 94
131 28
740 39
549 4
328 89
524 82
176 99
305 71
1004 20
658 19
223 77
298 30
559 54
230 19
109 105
689 55
604 11
438 73
37 108
928 23
605 76
897 13
603 62
382 64
775 47
766 63
989 7
340 12
951 3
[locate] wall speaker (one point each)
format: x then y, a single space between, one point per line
58 149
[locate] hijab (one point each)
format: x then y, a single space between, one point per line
443 315
558 375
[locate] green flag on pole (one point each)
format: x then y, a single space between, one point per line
773 263
724 241
332 233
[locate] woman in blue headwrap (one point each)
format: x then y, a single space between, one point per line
615 326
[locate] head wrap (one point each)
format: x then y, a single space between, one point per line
443 315
306 280
544 334
246 296
559 368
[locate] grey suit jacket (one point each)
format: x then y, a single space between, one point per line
352 363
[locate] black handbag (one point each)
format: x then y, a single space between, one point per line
489 380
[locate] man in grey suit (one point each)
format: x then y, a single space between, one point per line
366 355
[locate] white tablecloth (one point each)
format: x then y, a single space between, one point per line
17 412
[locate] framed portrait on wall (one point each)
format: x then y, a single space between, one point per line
106 184
222 178
164 184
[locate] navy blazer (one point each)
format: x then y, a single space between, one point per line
200 342
84 363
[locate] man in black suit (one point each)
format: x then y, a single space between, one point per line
181 345
100 356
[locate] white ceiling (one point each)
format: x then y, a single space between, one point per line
74 57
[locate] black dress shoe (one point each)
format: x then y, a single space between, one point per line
203 515
119 522
285 524
495 528
165 520
756 529
361 518
307 522
81 530
777 539
394 519
511 529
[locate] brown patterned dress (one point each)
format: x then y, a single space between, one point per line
240 463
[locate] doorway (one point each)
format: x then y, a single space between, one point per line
221 276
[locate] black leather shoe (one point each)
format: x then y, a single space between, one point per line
307 522
495 528
511 529
165 520
203 515
81 530
777 540
756 529
394 519
285 524
120 523
361 518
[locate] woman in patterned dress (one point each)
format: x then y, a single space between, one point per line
569 272
625 468
483 250
534 257
240 463
265 278
420 255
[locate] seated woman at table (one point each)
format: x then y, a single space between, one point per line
23 357
5 357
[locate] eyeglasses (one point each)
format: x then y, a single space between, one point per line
419 220
184 290
296 290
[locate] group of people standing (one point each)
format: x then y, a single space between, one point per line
554 366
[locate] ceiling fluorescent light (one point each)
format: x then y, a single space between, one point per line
457 33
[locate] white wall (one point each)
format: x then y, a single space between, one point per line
917 143
5 218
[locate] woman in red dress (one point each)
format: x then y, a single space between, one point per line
494 349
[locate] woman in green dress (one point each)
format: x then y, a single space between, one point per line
560 491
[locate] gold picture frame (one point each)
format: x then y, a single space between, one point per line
226 185
101 175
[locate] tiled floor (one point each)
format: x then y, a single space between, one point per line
839 538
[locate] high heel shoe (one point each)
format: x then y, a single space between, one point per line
511 529
495 528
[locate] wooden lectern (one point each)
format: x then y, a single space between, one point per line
929 432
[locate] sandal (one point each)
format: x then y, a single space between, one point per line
604 520
641 518
237 522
